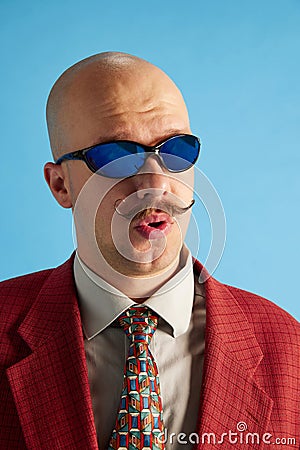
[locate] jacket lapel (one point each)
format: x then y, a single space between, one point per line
231 398
50 386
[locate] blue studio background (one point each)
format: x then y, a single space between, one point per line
237 64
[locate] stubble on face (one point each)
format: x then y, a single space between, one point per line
129 251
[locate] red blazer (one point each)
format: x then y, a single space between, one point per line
251 367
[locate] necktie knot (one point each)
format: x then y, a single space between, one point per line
139 324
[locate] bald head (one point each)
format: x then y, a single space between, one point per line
106 97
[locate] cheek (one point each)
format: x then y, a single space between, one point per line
112 192
183 184
93 204
79 175
105 212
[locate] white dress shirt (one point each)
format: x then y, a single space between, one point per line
177 346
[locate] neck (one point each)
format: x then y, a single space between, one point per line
136 288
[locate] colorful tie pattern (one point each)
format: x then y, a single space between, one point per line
139 423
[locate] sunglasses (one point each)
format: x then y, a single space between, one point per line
120 159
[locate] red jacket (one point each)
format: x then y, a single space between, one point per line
251 368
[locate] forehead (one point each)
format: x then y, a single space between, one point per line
135 106
147 127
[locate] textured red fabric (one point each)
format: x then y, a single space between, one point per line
251 366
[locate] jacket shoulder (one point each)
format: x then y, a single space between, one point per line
26 279
17 294
257 309
264 314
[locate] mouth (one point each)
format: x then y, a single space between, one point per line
155 225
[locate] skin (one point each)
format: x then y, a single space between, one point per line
114 96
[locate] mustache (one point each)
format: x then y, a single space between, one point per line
141 209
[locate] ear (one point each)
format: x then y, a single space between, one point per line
57 182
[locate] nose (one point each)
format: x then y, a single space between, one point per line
152 179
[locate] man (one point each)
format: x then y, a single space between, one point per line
204 363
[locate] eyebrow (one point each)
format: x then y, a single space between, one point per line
120 136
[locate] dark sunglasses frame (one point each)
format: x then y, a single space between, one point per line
81 154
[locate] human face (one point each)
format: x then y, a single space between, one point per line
147 110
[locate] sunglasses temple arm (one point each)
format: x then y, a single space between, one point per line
70 157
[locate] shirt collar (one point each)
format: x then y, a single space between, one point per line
101 303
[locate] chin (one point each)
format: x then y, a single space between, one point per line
139 257
146 270
137 267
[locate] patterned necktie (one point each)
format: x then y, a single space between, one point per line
139 422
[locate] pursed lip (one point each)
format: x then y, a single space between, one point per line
154 225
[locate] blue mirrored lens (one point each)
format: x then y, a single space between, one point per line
116 159
180 153
124 159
